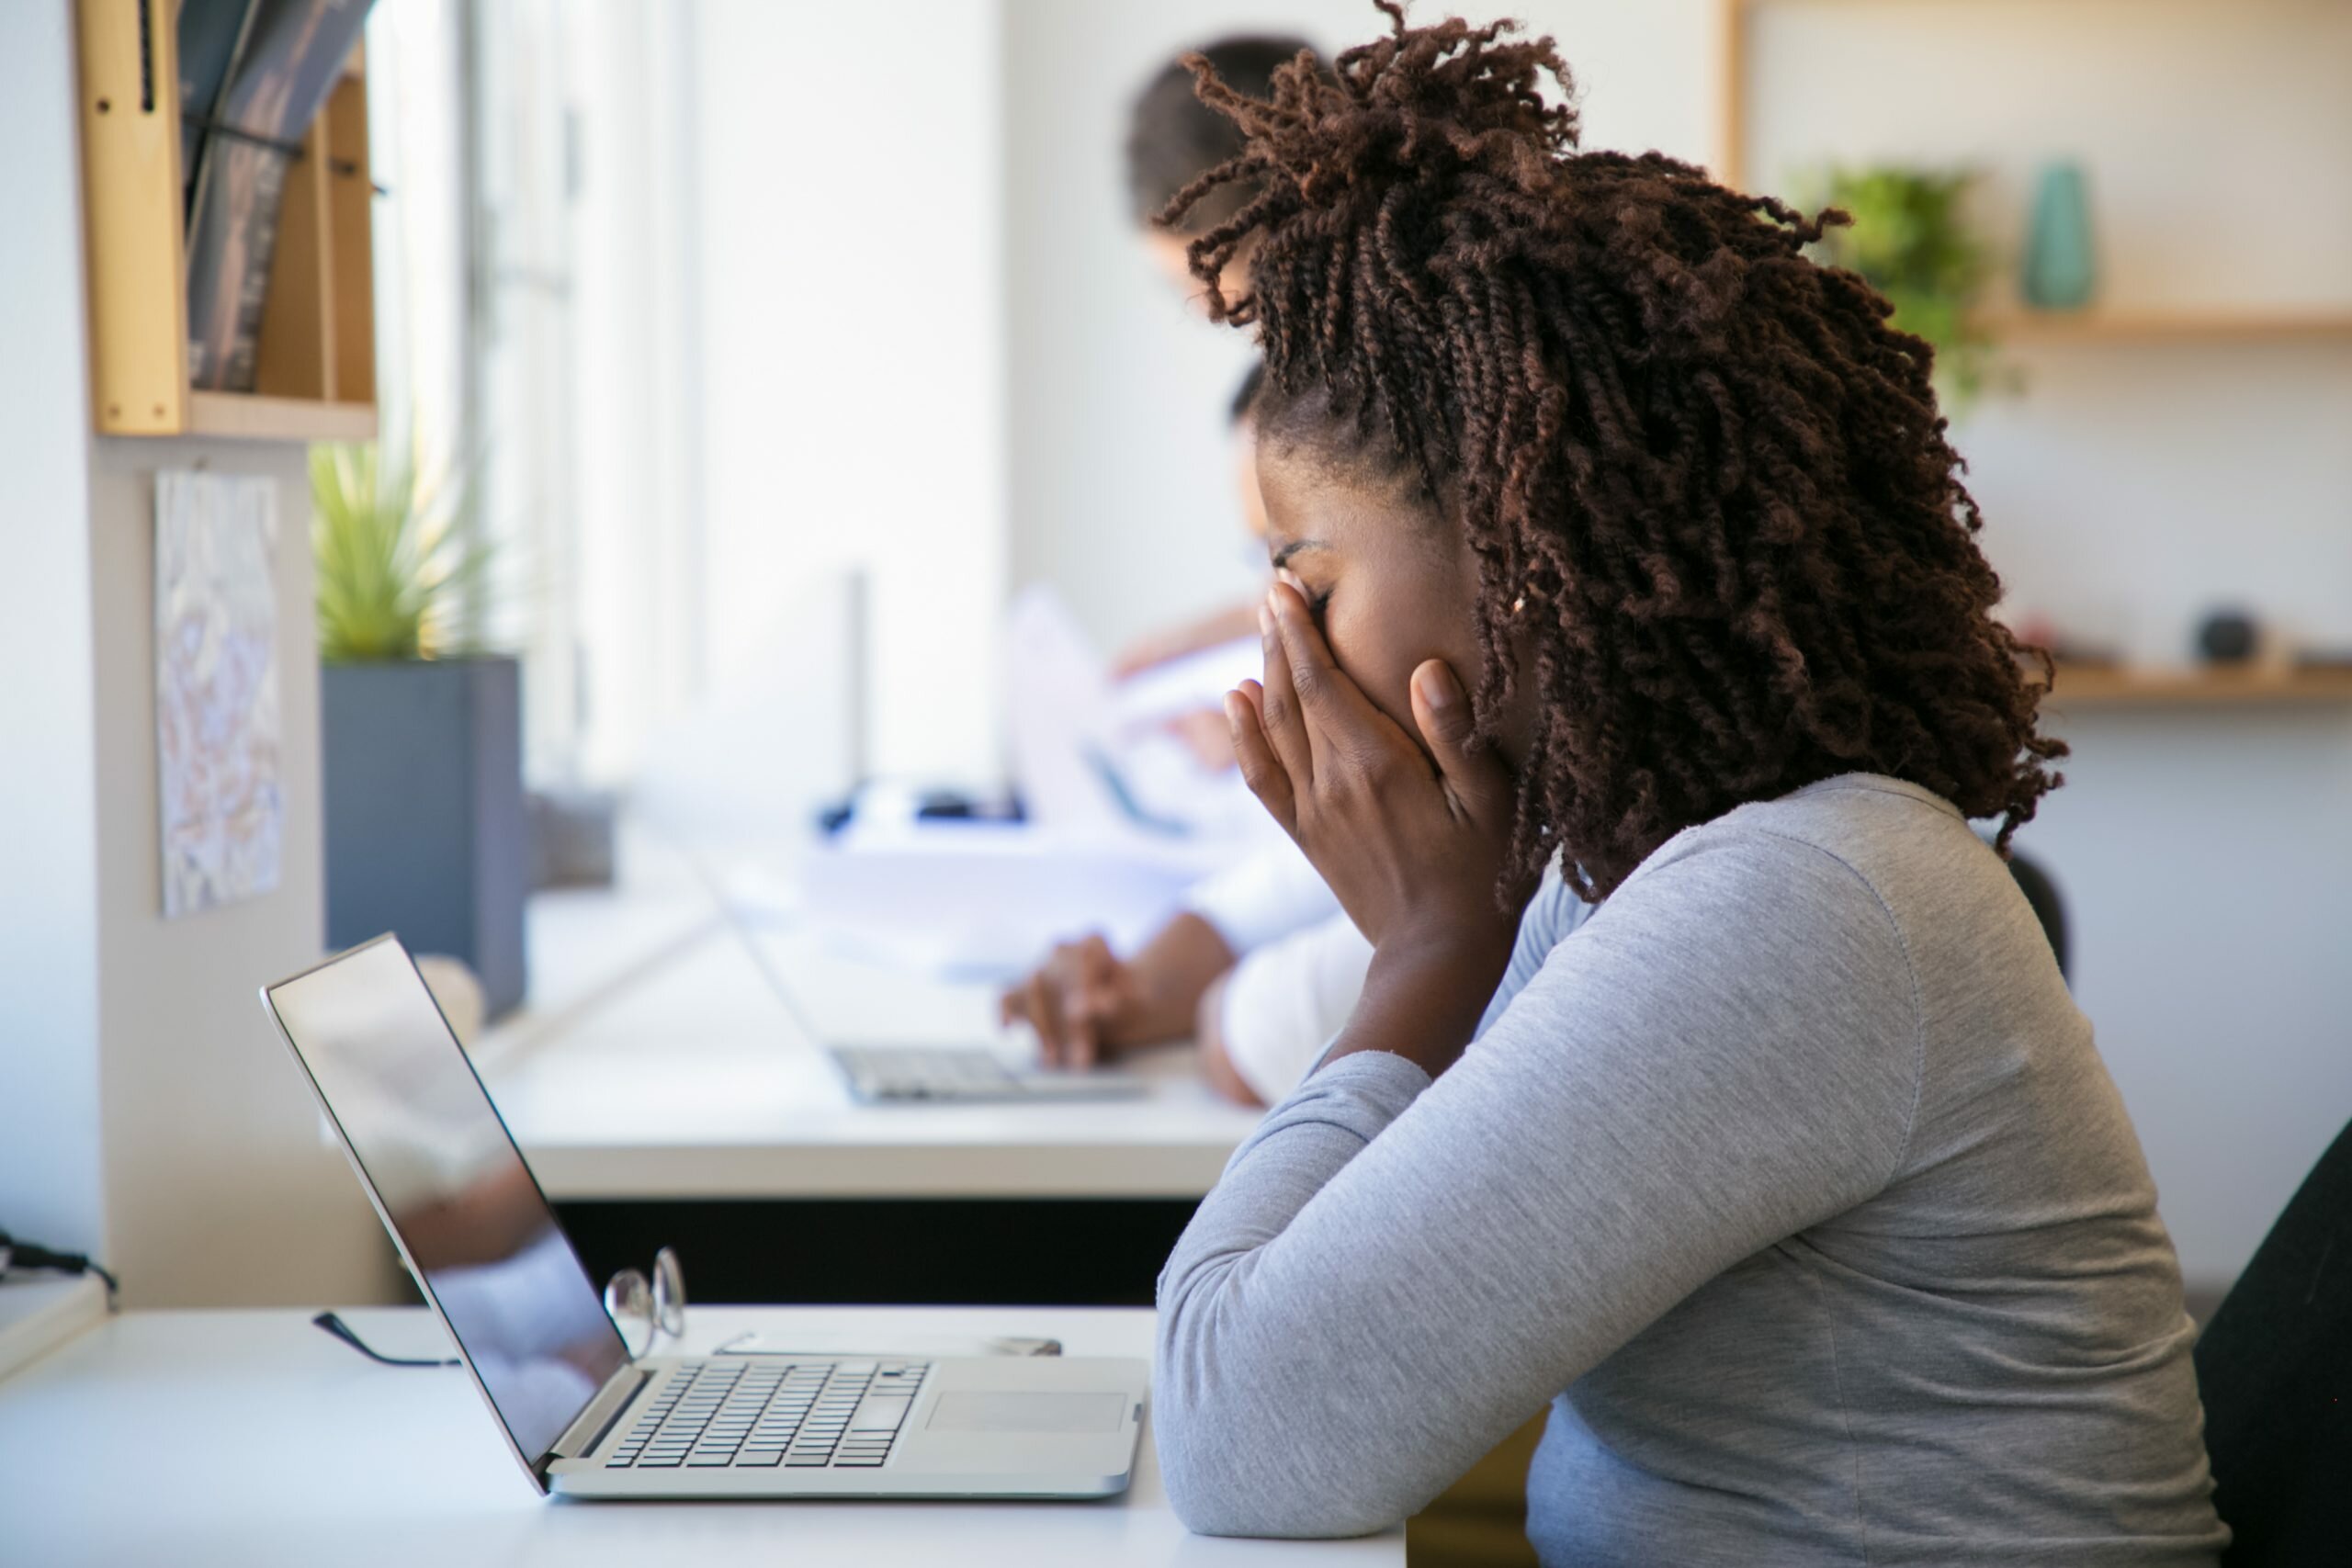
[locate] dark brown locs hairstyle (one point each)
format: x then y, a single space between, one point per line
1718 524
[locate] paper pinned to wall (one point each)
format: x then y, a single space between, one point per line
217 734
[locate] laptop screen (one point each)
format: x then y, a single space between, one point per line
452 1183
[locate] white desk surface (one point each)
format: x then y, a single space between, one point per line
251 1438
655 1061
38 1311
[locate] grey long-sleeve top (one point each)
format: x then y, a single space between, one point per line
1788 1176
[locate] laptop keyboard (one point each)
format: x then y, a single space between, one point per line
762 1413
924 1072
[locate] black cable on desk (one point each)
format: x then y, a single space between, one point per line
343 1331
15 1254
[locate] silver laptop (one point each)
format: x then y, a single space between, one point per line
927 1075
582 1417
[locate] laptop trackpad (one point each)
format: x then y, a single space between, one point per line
985 1411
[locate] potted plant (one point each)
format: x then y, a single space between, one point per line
1911 240
421 730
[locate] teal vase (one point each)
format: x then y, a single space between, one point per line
2059 272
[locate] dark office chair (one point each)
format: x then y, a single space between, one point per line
2275 1368
2042 894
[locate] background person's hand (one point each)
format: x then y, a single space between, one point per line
1081 1000
1087 1003
1412 842
1206 734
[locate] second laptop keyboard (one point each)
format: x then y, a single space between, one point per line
925 1072
844 1414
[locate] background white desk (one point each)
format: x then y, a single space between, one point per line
251 1438
655 1060
692 1081
665 1096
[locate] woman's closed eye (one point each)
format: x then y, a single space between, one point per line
1315 598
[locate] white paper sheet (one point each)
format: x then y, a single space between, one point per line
216 688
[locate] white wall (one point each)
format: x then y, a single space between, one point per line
1123 490
852 381
637 540
50 1186
728 366
2206 861
2132 487
220 1188
152 1117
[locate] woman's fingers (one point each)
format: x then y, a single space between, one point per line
1260 769
1280 719
1329 704
1478 783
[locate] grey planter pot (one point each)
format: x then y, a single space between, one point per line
426 833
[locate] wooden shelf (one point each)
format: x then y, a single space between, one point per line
2128 326
2085 687
315 358
247 416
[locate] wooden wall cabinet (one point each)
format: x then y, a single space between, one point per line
316 373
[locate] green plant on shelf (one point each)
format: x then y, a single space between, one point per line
1910 240
398 565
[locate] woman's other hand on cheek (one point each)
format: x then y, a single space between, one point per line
1413 853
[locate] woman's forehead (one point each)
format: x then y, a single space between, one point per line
1313 503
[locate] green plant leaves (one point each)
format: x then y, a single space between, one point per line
395 557
1911 240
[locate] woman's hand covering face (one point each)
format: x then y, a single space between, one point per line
1412 842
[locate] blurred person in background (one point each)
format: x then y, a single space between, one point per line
1260 966
1172 140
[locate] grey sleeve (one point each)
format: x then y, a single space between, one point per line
1392 1275
1553 915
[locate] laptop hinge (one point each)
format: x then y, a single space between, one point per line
582 1436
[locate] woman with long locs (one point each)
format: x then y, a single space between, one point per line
1631 677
